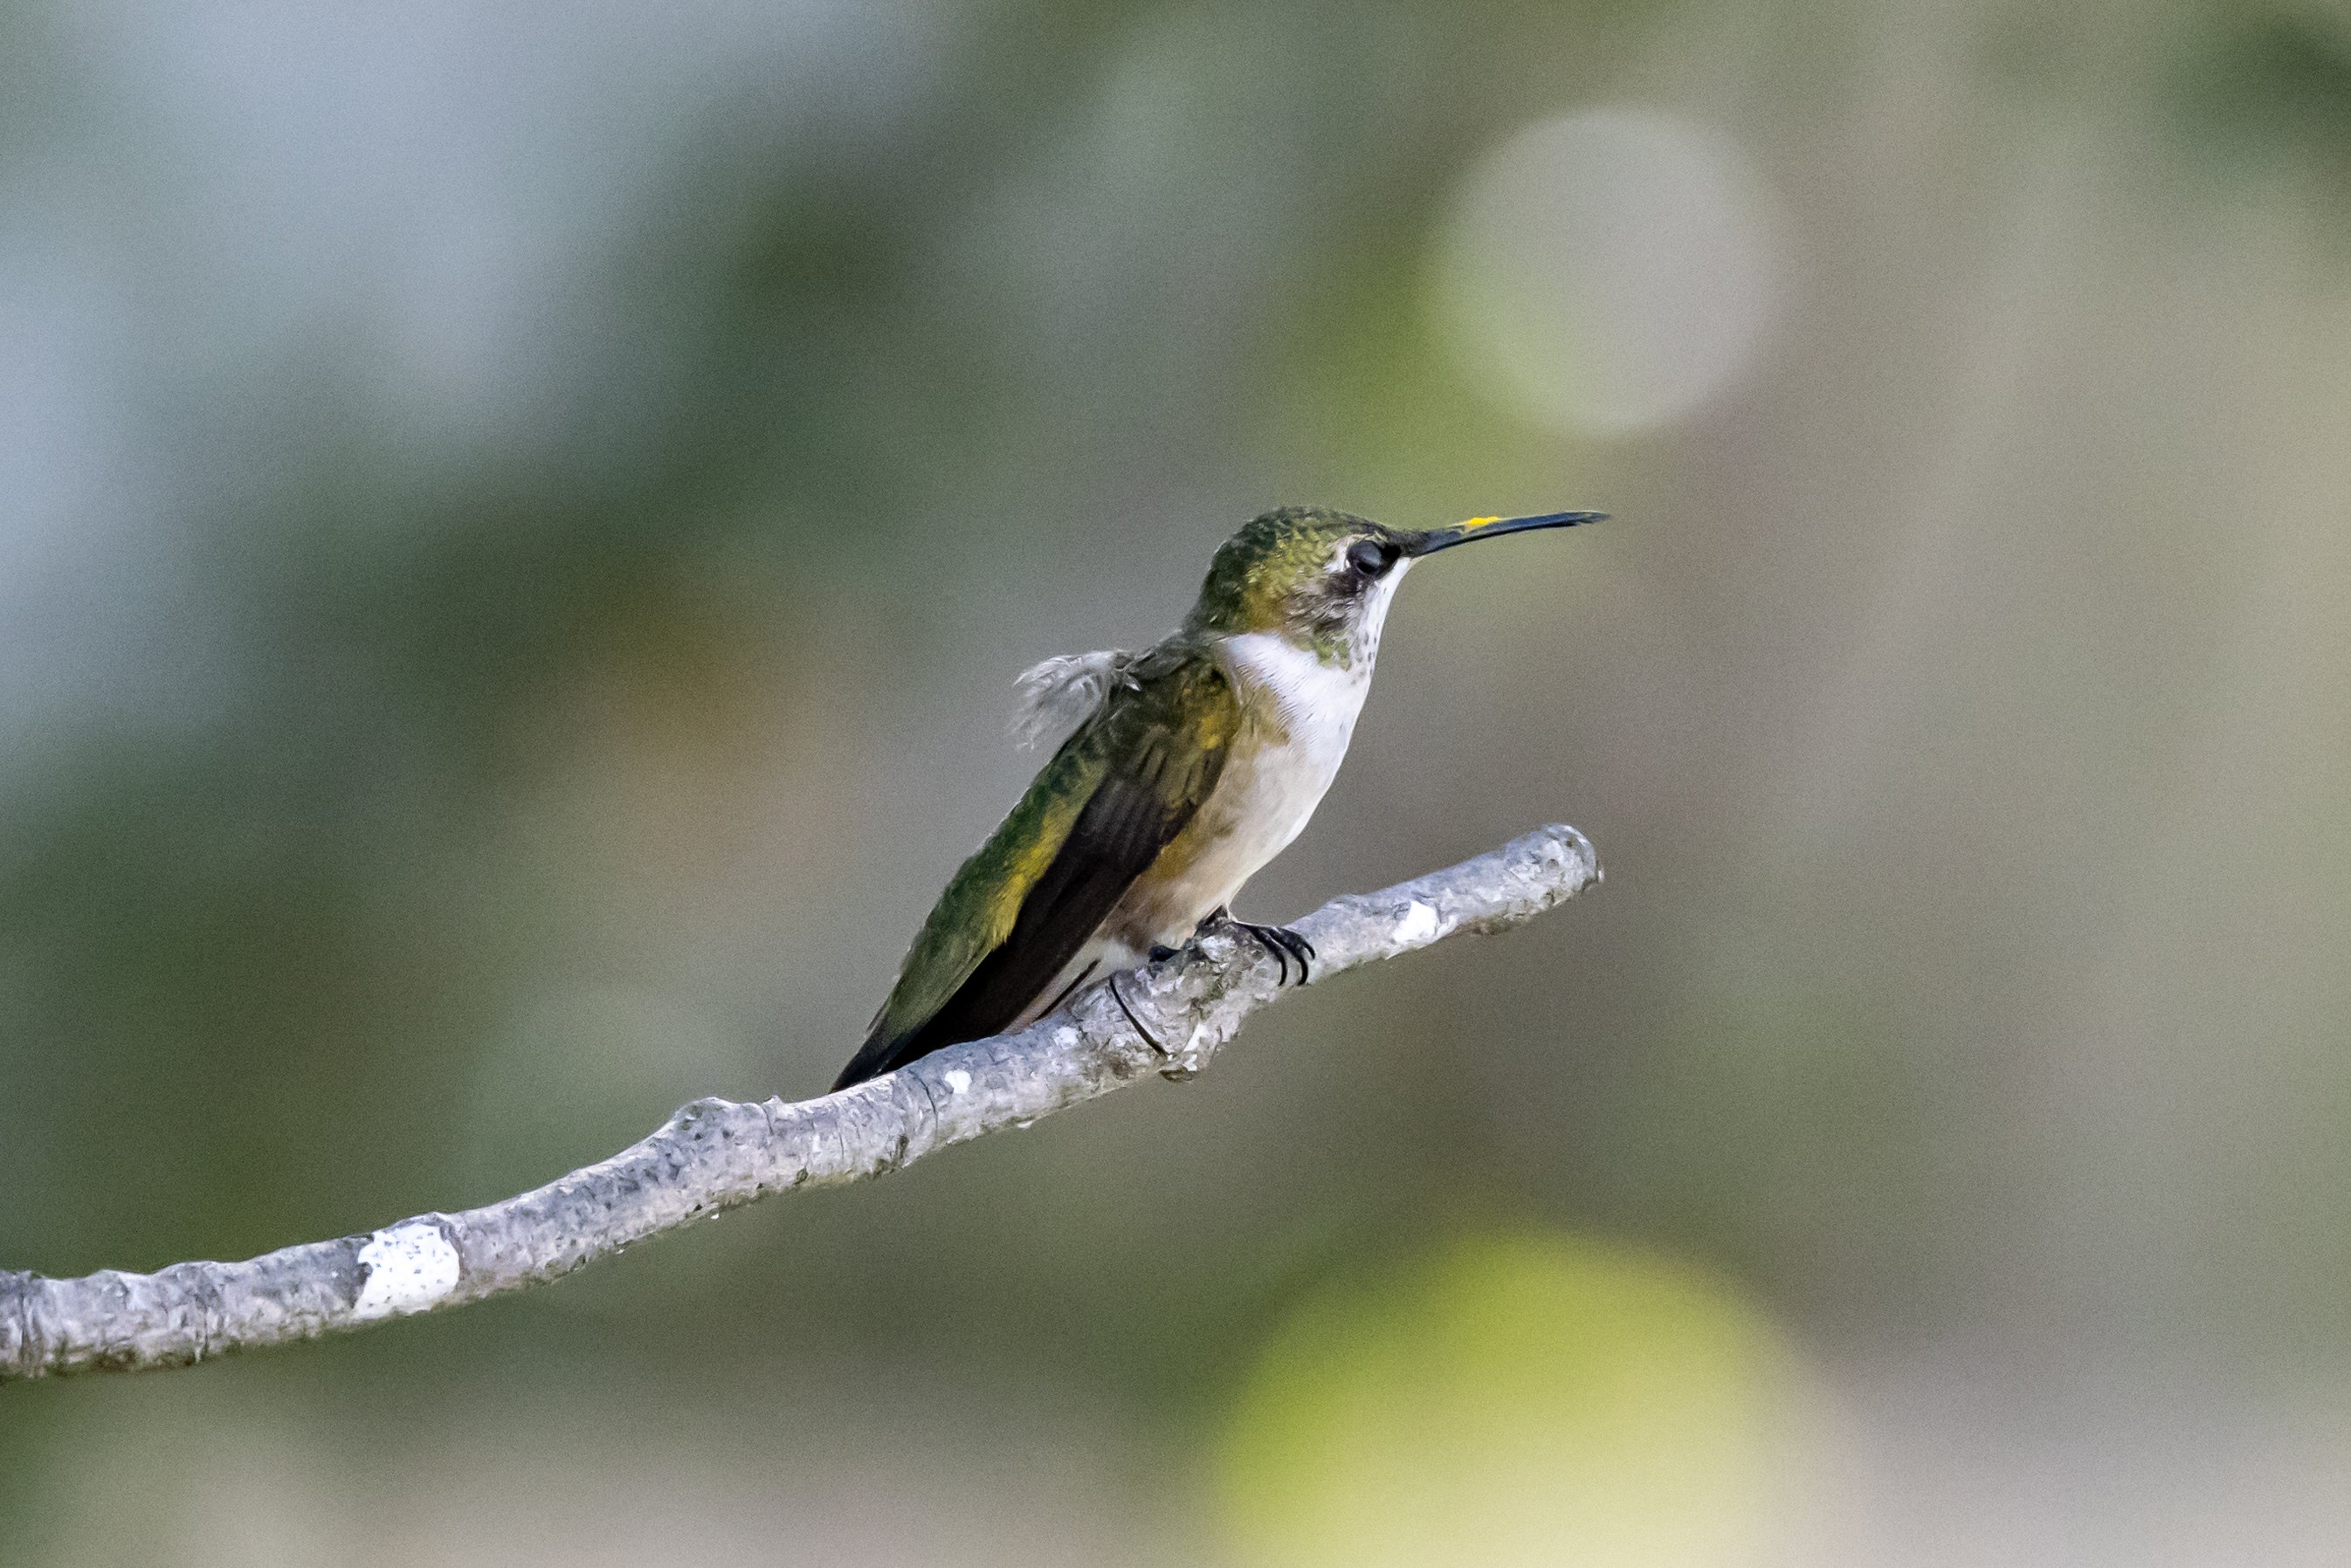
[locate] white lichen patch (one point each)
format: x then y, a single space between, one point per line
410 1269
1420 924
955 1079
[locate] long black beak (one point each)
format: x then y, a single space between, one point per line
1430 541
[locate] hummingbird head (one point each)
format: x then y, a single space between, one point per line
1323 579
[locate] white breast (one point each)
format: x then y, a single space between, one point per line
1317 703
1280 768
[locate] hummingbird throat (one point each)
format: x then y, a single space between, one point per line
1312 679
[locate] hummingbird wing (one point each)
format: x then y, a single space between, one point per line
1098 815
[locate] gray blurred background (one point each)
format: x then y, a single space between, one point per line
517 522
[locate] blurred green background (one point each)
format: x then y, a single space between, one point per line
517 522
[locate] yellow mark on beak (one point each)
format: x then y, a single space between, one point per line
1475 524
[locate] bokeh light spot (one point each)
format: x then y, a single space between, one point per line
1514 1399
1608 271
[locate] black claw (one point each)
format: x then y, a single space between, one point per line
1284 944
1147 1038
1160 952
1272 944
1297 946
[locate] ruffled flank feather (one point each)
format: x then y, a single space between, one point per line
1063 692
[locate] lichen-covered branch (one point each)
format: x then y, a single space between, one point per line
714 1155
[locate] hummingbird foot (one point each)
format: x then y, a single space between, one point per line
1283 943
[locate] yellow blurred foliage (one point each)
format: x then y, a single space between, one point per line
1514 1398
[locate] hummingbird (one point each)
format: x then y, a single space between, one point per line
1186 768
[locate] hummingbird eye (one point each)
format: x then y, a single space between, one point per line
1371 559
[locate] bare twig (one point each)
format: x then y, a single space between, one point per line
714 1155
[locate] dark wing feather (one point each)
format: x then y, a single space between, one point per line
1158 748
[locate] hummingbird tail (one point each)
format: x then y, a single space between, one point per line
879 1055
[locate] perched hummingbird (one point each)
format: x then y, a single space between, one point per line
1190 765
